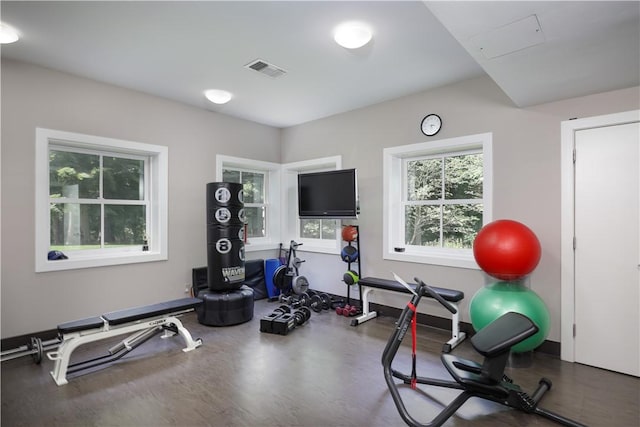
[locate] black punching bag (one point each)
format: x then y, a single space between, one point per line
225 236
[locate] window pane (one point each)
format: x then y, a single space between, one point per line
329 229
253 186
74 226
256 221
124 225
310 228
74 175
123 178
461 224
422 225
231 176
463 177
424 179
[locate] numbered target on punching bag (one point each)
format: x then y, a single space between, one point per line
225 260
224 203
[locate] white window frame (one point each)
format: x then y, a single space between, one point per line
393 213
271 202
290 173
157 214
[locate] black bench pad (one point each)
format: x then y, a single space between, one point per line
139 313
391 285
503 333
81 325
129 315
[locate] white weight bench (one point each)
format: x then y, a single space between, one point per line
370 284
141 322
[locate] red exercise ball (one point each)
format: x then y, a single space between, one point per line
506 249
349 233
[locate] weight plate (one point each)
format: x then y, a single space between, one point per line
316 303
326 301
36 345
306 311
281 279
300 317
300 284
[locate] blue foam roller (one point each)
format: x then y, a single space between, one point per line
270 266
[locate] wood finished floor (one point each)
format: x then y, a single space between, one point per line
325 373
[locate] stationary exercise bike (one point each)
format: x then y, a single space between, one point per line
486 381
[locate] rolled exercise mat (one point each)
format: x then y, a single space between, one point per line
270 266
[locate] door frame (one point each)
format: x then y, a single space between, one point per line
567 259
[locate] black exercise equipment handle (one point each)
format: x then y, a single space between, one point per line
425 289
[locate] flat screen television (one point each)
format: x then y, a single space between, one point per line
332 194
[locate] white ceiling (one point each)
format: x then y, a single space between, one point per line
177 50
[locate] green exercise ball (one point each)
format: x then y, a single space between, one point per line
496 299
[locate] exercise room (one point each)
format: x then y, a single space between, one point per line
320 213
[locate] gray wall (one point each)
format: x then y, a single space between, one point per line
526 179
36 97
526 148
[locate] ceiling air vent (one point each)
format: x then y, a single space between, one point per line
265 68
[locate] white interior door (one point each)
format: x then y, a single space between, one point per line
607 251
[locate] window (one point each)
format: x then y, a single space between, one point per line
261 190
437 197
321 229
100 201
255 206
316 235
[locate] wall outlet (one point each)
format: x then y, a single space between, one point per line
187 289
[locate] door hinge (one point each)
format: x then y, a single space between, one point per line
574 243
574 330
574 156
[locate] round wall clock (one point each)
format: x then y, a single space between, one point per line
431 124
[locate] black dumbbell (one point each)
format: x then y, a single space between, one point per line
287 299
315 303
326 301
304 299
301 315
307 312
283 309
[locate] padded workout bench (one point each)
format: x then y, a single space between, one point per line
369 284
144 322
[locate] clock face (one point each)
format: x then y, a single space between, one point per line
431 124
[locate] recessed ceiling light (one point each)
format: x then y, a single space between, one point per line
352 35
7 34
218 96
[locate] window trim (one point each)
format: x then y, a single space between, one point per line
393 158
158 187
272 197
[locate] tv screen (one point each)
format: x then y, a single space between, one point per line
332 194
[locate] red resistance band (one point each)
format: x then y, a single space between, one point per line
414 330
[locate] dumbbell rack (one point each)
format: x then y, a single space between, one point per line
355 243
